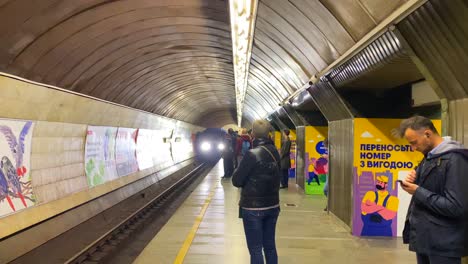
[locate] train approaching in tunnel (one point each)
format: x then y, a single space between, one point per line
210 144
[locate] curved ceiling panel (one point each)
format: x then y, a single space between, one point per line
296 39
174 57
171 58
215 117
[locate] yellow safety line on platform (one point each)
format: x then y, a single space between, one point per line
191 235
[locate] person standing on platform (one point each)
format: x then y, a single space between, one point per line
285 159
325 187
228 155
233 145
436 225
259 177
244 143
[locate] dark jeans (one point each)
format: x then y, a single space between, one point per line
425 259
259 228
234 159
285 178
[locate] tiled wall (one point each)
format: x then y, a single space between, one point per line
58 145
57 160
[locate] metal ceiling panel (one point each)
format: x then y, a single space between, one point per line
329 102
171 58
438 34
381 65
174 57
296 39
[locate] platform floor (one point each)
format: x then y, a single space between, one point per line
304 234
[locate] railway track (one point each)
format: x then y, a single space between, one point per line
98 250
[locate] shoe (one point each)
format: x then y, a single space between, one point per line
283 187
325 209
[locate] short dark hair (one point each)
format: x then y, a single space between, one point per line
416 123
286 131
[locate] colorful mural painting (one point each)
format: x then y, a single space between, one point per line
379 160
125 151
16 192
316 159
292 155
100 155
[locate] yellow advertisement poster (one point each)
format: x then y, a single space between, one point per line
379 160
316 159
277 138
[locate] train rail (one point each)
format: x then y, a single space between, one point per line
105 244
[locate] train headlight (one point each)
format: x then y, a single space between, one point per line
220 146
205 146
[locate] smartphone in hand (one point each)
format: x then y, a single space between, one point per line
401 182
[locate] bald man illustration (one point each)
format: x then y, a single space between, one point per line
378 208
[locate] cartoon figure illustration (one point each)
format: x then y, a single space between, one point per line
318 168
378 208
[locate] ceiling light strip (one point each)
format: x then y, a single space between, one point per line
243 14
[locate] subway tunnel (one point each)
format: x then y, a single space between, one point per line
71 70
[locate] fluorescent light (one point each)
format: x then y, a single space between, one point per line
243 14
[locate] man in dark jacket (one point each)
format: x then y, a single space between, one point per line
285 159
258 176
436 226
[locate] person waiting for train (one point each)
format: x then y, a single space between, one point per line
259 177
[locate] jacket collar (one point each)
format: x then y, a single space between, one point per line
261 142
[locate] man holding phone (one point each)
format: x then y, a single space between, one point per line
436 225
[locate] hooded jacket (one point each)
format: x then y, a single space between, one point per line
437 219
258 175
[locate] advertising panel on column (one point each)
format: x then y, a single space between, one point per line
315 160
292 137
125 151
16 192
100 155
380 159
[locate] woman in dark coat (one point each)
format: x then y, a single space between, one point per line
259 177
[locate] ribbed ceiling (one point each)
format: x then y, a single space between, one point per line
296 39
171 58
174 58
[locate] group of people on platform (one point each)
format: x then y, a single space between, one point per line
436 226
235 147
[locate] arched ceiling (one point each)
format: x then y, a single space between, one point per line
174 57
296 39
